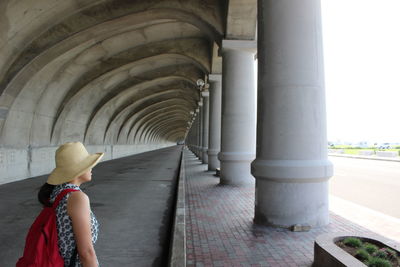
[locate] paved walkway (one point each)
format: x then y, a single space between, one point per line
132 198
220 231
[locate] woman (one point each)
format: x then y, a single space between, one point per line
77 226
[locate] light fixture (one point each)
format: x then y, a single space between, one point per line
200 83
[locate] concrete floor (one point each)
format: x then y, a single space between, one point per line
132 198
371 183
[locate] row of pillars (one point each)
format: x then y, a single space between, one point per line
284 147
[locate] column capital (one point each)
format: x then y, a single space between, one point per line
215 77
239 45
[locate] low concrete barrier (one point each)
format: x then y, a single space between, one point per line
366 152
177 257
336 151
21 163
390 154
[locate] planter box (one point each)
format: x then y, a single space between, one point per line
328 254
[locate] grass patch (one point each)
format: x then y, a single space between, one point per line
362 255
370 248
352 242
378 262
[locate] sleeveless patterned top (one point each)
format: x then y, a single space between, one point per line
66 240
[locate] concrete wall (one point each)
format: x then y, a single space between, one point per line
21 163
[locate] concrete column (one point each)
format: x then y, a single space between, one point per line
189 136
200 118
206 96
238 129
194 134
198 130
292 168
214 145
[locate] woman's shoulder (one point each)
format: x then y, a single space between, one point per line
78 197
78 203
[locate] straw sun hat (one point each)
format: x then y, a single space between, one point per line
72 160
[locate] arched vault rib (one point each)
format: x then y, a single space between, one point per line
118 103
153 134
161 122
175 108
194 48
131 110
133 121
156 110
130 137
108 85
184 72
68 29
176 135
105 63
159 117
138 94
173 135
160 128
166 130
152 99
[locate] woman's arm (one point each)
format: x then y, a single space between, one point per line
78 209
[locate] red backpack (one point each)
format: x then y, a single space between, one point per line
41 244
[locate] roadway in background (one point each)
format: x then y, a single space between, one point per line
374 184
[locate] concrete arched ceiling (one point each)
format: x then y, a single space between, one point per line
107 71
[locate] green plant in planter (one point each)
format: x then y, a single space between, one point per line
362 255
381 254
391 254
370 248
378 262
352 242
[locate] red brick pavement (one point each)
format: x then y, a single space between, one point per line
220 230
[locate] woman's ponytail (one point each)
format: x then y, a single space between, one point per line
44 194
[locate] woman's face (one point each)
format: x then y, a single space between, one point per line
86 177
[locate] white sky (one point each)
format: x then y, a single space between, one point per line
362 69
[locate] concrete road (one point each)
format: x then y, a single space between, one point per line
371 183
132 198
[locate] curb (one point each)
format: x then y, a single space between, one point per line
361 157
178 242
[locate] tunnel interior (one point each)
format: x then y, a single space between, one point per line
120 76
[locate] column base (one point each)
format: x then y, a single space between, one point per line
235 168
213 162
236 173
290 192
287 204
197 153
